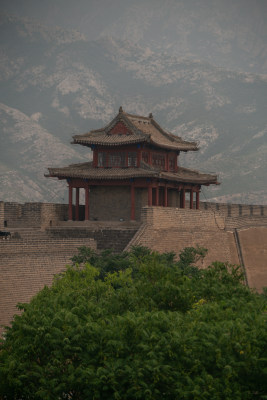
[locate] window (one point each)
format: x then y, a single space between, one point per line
116 159
145 156
102 159
172 163
132 159
158 160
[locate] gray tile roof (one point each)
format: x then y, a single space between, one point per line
139 129
87 171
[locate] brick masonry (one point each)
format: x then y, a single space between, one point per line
29 263
253 243
113 203
43 242
15 215
172 229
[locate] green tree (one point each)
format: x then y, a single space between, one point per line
138 325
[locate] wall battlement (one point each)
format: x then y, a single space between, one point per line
235 210
42 215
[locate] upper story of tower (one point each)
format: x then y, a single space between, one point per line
133 140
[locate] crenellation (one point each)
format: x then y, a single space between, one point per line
235 210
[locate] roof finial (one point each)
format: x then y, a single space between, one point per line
120 109
150 116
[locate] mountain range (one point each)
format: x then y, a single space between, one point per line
199 66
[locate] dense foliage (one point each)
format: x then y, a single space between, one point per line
138 325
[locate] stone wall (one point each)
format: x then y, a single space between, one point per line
33 214
167 229
52 214
30 263
235 210
253 243
47 242
115 238
12 214
239 240
113 203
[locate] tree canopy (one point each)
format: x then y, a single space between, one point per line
138 325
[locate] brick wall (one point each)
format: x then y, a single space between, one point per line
165 217
245 221
33 214
105 237
28 264
52 214
167 229
114 202
22 215
13 212
235 210
110 203
253 243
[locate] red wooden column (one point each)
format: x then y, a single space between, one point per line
165 196
132 202
77 205
157 195
95 157
149 192
197 199
86 211
182 198
70 202
191 198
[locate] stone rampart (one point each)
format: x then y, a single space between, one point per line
165 217
30 263
41 243
245 221
253 244
167 229
105 237
51 214
16 215
235 210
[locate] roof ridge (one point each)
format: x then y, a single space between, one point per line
141 128
136 116
122 117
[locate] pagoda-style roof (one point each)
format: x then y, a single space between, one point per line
127 129
87 171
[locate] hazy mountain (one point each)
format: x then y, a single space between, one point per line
227 33
55 82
